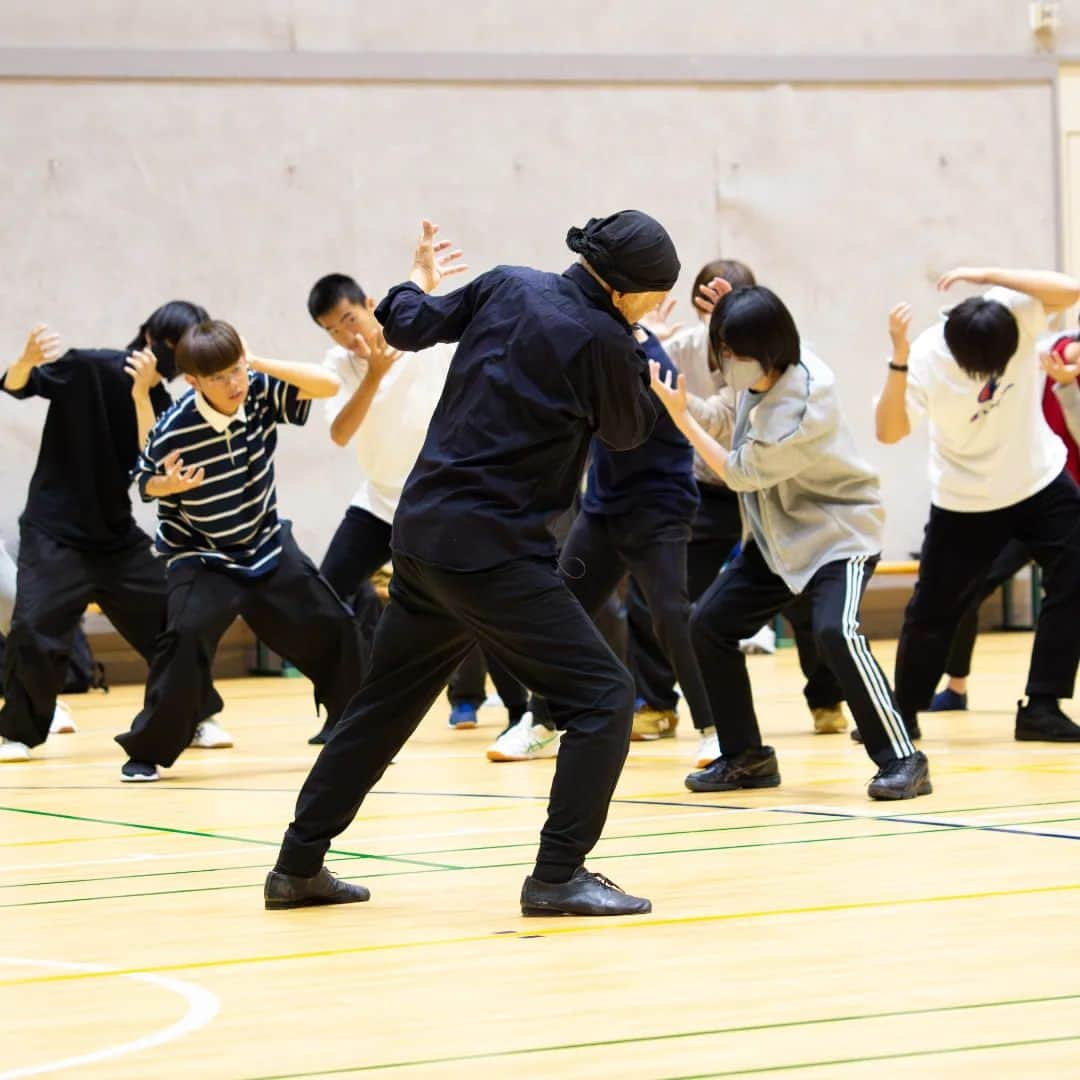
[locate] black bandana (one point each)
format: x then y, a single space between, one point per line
631 251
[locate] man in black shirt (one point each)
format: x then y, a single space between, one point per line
78 541
544 362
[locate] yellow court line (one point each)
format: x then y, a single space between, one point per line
542 928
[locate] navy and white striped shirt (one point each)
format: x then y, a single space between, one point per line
229 521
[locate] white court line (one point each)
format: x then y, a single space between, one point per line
203 1006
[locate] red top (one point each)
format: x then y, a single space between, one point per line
1056 418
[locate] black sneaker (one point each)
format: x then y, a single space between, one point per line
288 891
904 778
914 733
1043 723
583 894
138 772
755 768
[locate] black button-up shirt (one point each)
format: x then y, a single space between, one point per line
544 362
79 490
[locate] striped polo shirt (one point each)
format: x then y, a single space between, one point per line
230 520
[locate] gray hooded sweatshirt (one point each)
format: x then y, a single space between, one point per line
807 497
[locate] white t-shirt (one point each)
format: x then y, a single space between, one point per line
990 445
389 440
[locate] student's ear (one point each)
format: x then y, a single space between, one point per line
370 303
192 381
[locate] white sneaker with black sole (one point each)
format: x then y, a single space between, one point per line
62 724
525 741
138 772
209 735
12 751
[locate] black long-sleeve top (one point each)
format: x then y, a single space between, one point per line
79 490
544 362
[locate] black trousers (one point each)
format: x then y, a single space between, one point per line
292 609
524 617
957 554
360 546
602 548
1013 558
747 595
717 529
467 687
54 583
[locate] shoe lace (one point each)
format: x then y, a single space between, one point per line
606 881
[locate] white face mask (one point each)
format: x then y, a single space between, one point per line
740 374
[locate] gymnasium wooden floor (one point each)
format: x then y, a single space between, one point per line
803 931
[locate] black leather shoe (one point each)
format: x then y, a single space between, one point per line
583 894
914 733
751 769
286 891
1039 723
904 778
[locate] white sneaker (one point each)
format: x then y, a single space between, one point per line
708 748
211 736
525 741
62 724
13 751
763 642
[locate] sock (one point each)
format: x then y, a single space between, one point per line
1042 702
552 875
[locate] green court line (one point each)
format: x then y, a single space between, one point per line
211 835
779 1025
429 868
877 1057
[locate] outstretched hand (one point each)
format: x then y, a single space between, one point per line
177 479
1059 370
42 346
658 323
142 367
434 259
672 394
709 295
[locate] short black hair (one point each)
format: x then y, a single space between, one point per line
736 273
982 335
167 325
754 322
329 291
208 347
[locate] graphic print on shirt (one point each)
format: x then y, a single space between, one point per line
989 399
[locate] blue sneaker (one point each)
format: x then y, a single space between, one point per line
949 701
463 717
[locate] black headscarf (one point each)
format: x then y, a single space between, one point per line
631 251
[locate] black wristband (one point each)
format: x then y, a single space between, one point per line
897 367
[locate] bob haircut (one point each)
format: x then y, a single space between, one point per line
754 323
982 335
208 347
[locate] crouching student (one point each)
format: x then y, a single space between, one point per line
209 461
814 524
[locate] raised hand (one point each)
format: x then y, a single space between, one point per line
380 356
973 274
142 367
434 259
177 479
672 395
657 320
42 347
709 295
899 325
1059 370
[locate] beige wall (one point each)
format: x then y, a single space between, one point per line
118 195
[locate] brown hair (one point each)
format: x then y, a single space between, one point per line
208 347
736 273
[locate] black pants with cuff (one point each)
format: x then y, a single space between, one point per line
747 595
293 609
958 552
54 584
526 619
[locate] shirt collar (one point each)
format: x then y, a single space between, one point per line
594 291
218 421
